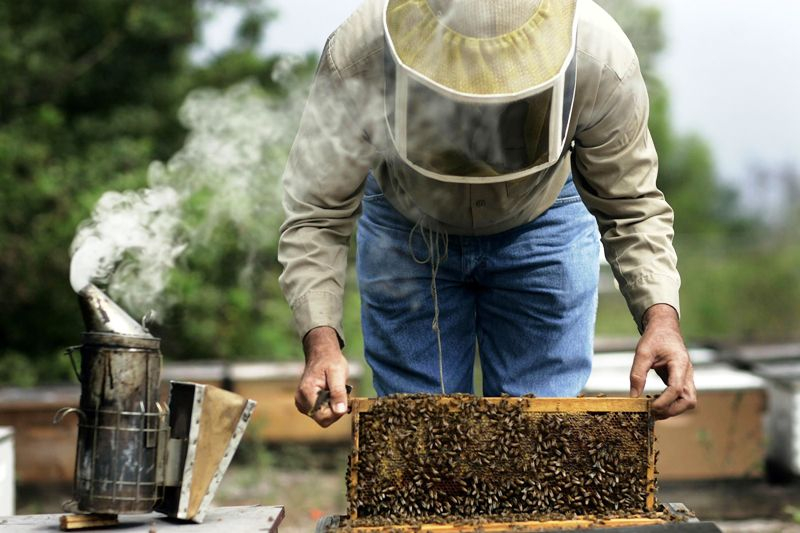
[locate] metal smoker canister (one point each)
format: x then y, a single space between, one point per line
122 427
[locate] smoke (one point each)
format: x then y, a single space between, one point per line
227 172
132 237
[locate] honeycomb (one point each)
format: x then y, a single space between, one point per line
421 458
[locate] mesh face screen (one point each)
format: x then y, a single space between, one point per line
472 139
418 457
465 139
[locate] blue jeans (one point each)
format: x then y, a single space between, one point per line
527 296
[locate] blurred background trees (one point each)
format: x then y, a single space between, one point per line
741 280
89 97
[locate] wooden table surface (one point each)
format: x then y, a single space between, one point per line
221 520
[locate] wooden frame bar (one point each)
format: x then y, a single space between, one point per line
545 405
504 527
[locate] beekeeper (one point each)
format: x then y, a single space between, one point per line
478 146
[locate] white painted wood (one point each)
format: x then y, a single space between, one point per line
783 424
614 379
7 488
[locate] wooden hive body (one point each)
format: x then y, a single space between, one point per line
422 459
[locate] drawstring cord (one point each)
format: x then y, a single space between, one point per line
434 242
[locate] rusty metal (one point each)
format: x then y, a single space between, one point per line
122 427
124 442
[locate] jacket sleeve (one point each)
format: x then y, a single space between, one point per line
322 187
615 167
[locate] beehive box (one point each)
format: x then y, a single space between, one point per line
722 438
421 459
783 417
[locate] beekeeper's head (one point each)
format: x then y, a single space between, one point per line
479 91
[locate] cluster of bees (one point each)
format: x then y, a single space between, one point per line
424 458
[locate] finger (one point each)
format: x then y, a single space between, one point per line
337 376
681 405
324 416
638 377
687 399
306 396
661 404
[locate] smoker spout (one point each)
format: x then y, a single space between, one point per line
102 315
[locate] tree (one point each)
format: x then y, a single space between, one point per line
89 96
702 204
739 275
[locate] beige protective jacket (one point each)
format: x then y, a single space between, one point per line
343 135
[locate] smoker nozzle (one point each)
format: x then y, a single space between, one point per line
102 315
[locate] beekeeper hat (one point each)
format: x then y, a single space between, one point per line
479 91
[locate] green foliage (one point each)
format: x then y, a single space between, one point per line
740 277
686 167
89 97
743 292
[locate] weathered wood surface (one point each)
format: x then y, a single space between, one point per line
255 518
764 353
503 527
676 518
44 453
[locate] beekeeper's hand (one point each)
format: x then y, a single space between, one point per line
662 349
326 370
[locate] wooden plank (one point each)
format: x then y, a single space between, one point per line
764 353
521 527
276 419
650 503
73 522
547 405
261 518
723 438
353 481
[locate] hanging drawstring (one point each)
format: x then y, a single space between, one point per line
436 244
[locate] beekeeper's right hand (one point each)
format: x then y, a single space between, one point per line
326 369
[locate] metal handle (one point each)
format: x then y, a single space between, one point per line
64 411
69 352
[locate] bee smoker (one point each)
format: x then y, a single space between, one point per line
134 453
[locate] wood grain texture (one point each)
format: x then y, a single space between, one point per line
504 527
260 518
548 405
75 522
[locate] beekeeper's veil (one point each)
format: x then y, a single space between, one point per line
479 91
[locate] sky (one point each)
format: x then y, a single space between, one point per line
732 67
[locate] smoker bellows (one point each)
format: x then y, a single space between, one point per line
134 453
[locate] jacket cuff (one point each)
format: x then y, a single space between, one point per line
649 291
318 308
